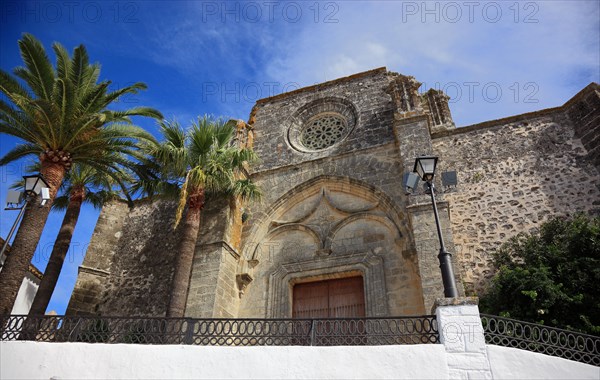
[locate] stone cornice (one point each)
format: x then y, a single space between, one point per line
321 86
398 120
223 244
35 271
94 271
521 117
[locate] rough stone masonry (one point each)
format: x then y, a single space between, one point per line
333 158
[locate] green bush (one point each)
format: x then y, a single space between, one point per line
550 276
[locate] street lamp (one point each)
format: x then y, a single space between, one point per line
425 168
34 185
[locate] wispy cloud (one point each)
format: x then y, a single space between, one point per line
537 54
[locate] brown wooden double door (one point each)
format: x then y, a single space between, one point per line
339 298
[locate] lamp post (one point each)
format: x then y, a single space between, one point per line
34 185
425 168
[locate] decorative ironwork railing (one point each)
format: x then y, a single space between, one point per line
222 332
543 339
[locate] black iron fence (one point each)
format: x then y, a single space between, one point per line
223 332
301 332
543 339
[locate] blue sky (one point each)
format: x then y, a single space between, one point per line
494 59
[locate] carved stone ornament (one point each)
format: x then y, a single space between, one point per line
243 279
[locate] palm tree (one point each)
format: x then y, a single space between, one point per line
207 161
83 184
62 116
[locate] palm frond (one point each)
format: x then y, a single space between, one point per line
60 203
126 131
92 100
136 111
133 89
63 61
247 190
16 130
8 85
99 198
20 151
64 98
40 73
90 80
79 68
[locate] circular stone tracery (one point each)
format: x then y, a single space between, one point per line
323 131
321 125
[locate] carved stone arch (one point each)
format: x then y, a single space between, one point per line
282 229
287 233
294 226
260 228
382 219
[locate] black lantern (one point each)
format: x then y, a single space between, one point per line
37 185
34 185
425 167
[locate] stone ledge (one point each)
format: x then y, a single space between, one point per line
458 301
403 120
322 86
223 244
521 117
94 271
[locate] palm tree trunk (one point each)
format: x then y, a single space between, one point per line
17 262
57 257
185 255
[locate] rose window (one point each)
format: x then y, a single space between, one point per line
323 132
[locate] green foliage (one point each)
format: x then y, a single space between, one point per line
65 108
203 156
550 276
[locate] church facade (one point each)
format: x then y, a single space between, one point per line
337 234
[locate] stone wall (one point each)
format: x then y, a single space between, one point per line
213 290
514 175
128 267
362 98
584 112
95 268
142 267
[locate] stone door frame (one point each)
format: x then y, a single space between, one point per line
367 264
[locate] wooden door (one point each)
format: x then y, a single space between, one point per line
339 298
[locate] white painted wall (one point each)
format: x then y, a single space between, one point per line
27 291
511 363
36 360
